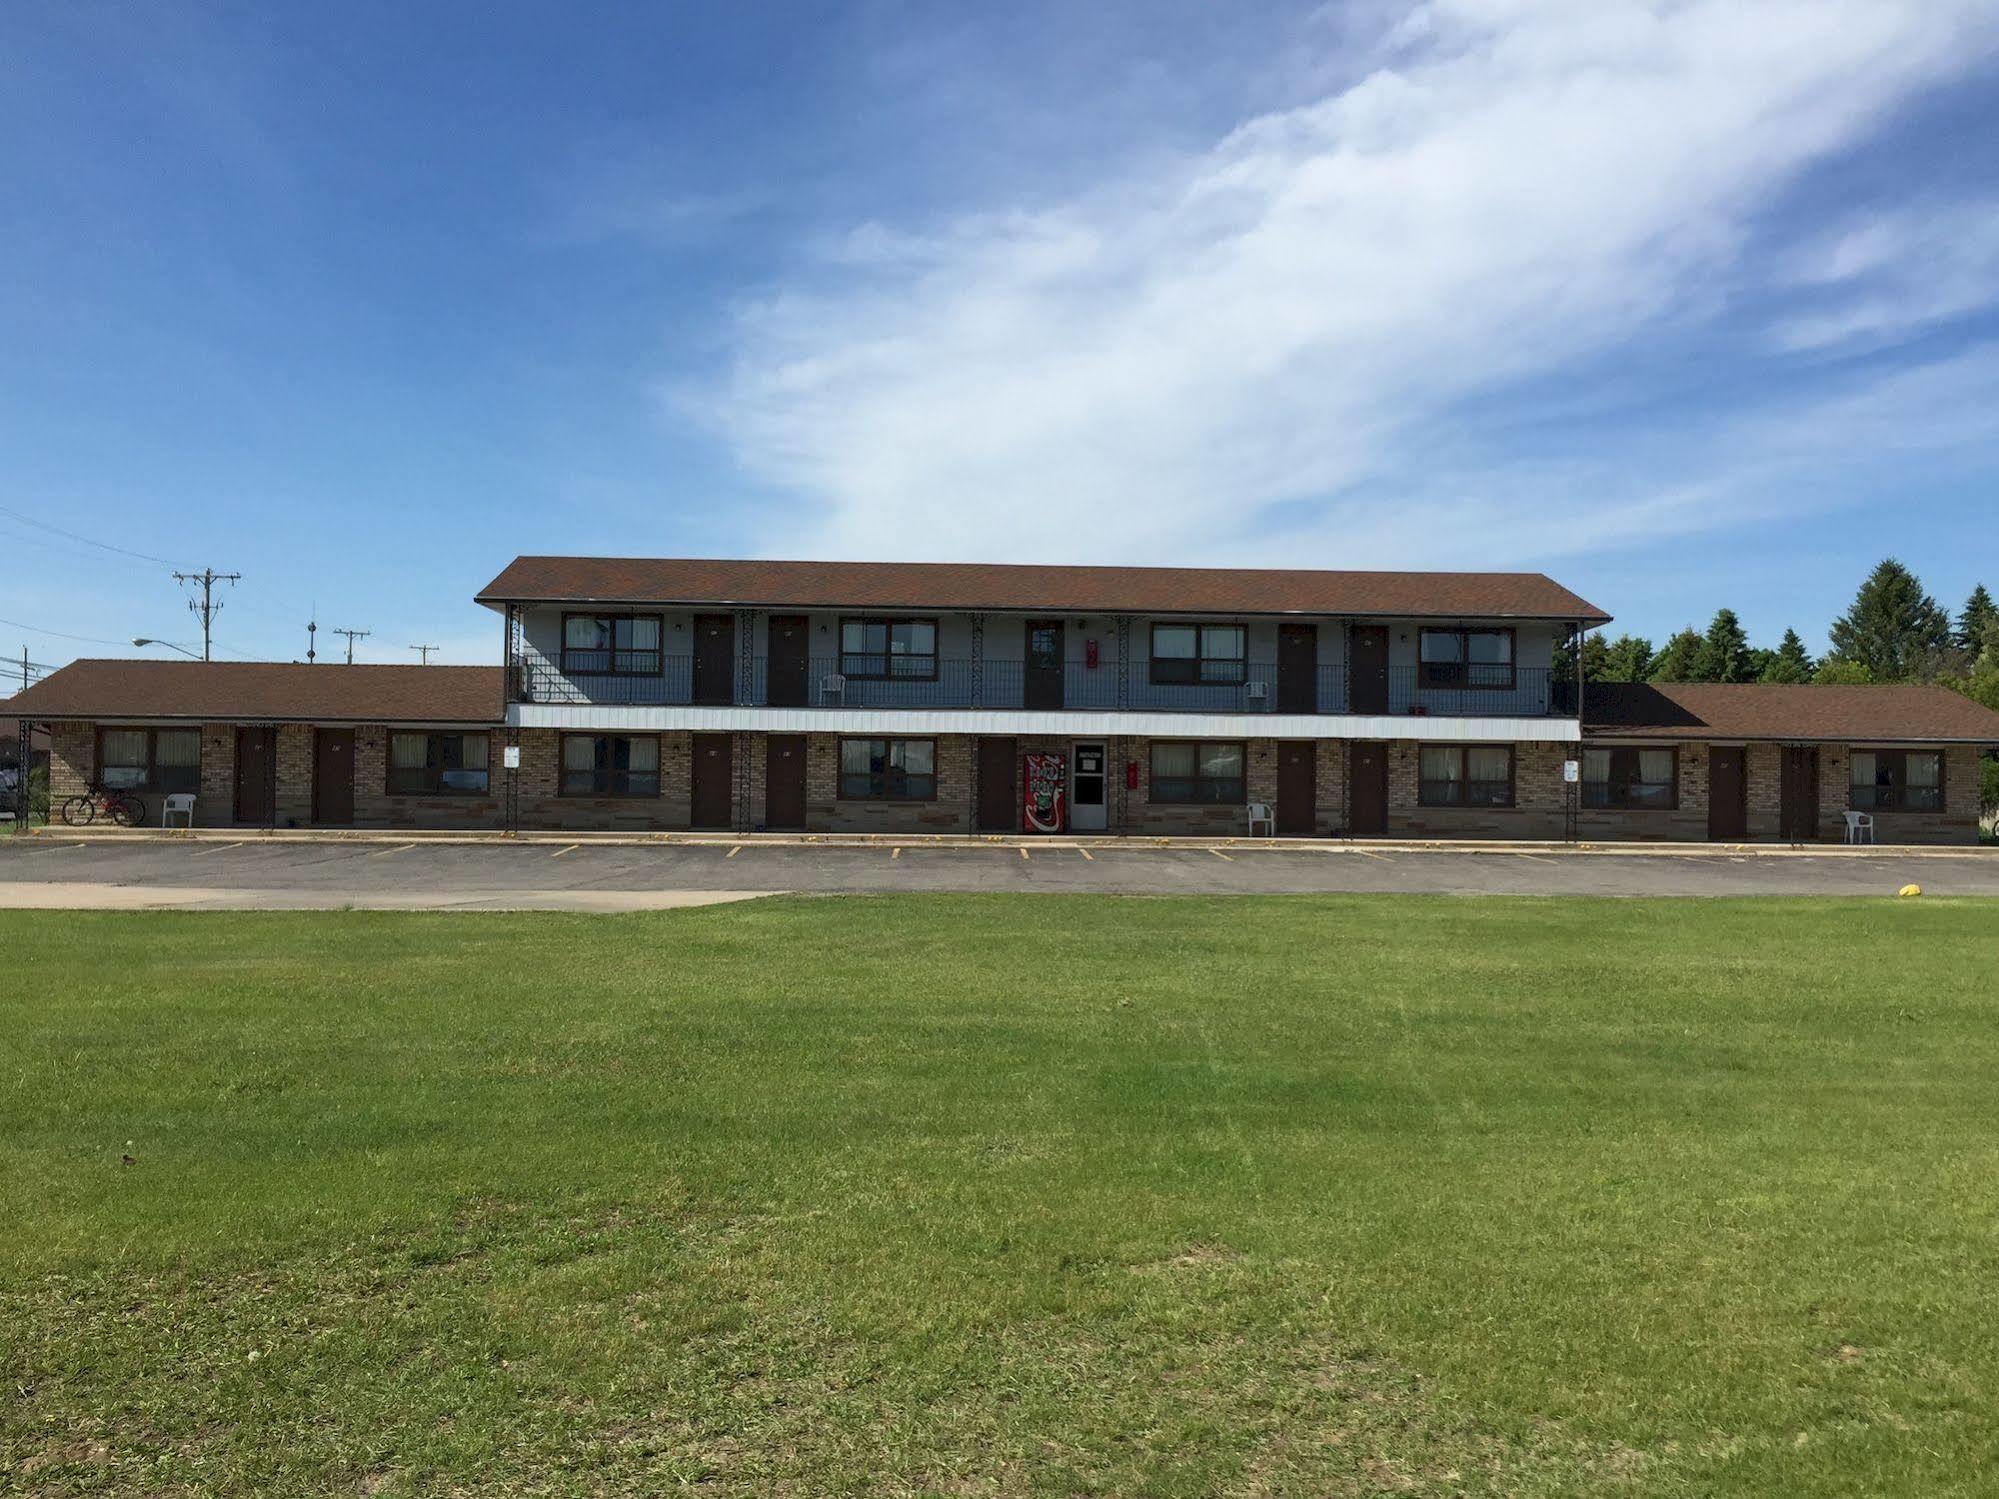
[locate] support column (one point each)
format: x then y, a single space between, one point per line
978 659
1122 624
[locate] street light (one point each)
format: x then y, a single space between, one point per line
143 640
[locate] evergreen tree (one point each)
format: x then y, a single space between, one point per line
1625 659
1724 654
1894 629
1790 662
1675 661
1979 615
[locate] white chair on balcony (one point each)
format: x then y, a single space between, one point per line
833 688
178 804
1860 827
1259 812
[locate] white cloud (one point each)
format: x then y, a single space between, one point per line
1896 274
1519 185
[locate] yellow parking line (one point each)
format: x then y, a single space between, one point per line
569 850
214 848
733 852
1366 855
897 853
1023 853
383 853
1220 855
1087 854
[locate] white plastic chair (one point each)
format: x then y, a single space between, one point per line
833 686
1860 827
179 804
1259 812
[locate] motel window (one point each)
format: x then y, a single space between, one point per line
1633 779
1184 771
611 645
1465 775
610 765
1198 653
162 760
438 764
1467 658
892 770
1896 780
901 649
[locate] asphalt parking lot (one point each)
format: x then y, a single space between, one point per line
53 870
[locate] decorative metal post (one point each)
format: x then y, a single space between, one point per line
1123 625
978 659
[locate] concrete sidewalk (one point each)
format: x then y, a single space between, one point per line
93 896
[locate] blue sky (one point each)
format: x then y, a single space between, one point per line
1687 304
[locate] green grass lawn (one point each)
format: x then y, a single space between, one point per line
967 1195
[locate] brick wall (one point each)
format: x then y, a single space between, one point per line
1539 798
543 805
1686 823
1179 819
827 812
72 762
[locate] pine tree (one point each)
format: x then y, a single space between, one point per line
1625 659
1724 654
1979 615
1675 661
1894 629
1790 662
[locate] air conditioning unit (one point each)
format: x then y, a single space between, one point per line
1256 692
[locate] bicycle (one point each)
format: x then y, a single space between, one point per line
123 809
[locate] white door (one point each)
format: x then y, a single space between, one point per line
1088 788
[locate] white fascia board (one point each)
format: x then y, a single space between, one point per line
891 722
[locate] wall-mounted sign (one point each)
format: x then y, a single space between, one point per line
510 756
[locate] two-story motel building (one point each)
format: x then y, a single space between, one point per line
669 694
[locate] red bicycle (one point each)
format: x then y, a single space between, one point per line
121 808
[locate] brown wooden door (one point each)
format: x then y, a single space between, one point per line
1368 689
790 660
1042 686
999 810
1297 669
1367 791
1727 794
1798 795
714 658
1297 788
333 776
714 800
256 761
784 783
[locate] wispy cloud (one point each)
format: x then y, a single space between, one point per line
1283 324
1894 274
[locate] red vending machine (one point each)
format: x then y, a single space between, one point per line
1045 779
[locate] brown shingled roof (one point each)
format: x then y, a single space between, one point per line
1067 590
265 692
1756 710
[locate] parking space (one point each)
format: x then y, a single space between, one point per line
416 872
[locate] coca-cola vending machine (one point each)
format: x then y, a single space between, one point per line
1045 781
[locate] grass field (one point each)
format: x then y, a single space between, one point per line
966 1195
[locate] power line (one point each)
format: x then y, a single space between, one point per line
61 634
86 540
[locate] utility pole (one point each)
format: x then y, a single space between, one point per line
352 636
205 609
424 651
